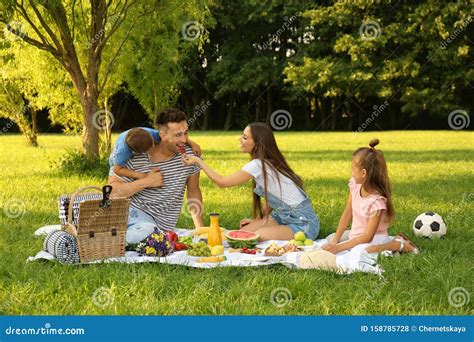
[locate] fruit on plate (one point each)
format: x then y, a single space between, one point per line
300 236
212 259
217 250
172 237
301 240
187 240
248 251
179 246
199 249
241 239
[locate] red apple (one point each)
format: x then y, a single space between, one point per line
172 237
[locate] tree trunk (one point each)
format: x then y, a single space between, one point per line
108 129
229 121
188 105
90 133
258 109
205 121
269 106
310 110
34 128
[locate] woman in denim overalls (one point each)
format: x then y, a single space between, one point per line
287 208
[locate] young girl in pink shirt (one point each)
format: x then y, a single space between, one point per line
370 208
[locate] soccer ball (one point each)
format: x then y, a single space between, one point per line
430 225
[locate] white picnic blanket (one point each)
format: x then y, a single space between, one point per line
357 262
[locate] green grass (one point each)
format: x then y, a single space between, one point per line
429 171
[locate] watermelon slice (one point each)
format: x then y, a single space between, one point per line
182 149
242 239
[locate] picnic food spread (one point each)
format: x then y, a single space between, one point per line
206 243
242 238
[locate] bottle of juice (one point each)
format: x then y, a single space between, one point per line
214 237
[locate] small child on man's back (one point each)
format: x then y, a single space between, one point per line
136 140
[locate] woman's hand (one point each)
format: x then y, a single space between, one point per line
245 222
190 160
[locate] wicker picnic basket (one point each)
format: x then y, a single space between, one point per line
101 225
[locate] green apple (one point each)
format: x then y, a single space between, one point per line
308 242
300 236
292 242
300 243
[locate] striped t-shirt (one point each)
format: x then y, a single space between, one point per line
162 203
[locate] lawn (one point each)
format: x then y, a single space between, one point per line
429 171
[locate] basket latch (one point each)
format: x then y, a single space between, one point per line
114 232
106 191
91 234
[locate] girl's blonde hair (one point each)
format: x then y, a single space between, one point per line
377 180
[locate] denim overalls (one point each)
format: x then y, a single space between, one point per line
300 217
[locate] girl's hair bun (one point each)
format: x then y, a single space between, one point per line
374 142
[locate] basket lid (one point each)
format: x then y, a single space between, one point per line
99 219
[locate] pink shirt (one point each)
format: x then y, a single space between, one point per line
363 208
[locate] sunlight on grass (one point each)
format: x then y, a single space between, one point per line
429 171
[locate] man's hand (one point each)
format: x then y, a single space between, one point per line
154 179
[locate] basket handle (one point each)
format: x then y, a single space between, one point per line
70 220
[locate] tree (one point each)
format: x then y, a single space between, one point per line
76 34
368 54
14 107
240 68
158 46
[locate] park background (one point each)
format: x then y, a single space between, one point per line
327 76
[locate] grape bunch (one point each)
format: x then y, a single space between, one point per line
199 249
187 240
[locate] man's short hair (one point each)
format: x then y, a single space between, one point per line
139 140
169 115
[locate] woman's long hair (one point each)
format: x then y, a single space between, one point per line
377 180
267 151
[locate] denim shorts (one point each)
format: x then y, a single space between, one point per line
300 218
140 225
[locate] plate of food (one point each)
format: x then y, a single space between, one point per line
275 250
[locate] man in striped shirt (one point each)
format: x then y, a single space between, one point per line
156 199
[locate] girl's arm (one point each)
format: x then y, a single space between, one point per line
367 237
240 177
343 221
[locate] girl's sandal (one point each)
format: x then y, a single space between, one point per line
403 239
